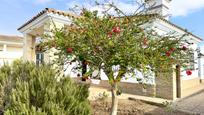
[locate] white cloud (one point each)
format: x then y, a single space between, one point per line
178 7
185 7
126 7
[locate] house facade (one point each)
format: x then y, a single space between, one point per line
165 85
11 48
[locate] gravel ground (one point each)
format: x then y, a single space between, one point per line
132 107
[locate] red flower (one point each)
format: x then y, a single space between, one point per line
168 53
110 34
116 30
111 17
69 50
145 41
172 49
188 72
184 48
70 63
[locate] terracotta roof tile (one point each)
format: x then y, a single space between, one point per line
48 10
7 38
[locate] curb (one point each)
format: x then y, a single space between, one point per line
196 93
148 102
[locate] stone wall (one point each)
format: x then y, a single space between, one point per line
130 88
166 85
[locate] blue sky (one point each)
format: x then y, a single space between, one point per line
192 22
188 14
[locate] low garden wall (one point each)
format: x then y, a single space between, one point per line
163 88
130 88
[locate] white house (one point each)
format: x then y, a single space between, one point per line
11 48
178 82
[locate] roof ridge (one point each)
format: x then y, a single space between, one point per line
48 10
11 35
154 15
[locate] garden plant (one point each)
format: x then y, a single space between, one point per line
27 89
117 44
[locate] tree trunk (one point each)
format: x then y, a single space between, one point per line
114 106
84 67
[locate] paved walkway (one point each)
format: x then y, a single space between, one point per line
193 104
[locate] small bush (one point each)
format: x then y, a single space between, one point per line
28 89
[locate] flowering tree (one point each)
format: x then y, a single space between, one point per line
106 41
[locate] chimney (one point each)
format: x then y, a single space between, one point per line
161 7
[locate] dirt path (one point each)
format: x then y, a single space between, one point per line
130 107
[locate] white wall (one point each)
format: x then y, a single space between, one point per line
195 72
163 28
201 63
9 53
131 79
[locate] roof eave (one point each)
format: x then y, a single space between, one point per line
46 10
184 30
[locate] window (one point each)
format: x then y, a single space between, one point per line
39 58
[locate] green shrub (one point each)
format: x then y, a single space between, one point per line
28 89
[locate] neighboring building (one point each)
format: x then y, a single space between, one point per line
201 64
11 48
170 86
